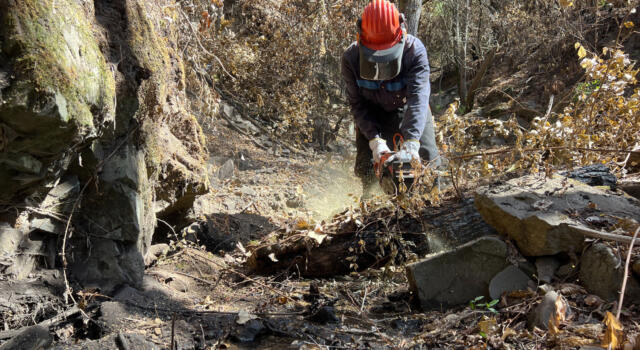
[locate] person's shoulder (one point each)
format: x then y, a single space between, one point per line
352 50
414 42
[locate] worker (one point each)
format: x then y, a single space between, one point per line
386 72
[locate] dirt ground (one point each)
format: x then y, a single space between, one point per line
200 294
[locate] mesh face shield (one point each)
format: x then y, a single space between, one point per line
381 64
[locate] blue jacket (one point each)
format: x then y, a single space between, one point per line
410 89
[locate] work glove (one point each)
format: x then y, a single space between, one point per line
378 148
408 151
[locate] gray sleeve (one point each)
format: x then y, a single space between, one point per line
363 119
418 90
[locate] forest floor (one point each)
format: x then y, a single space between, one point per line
200 293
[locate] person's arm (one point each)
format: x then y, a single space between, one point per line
363 119
418 91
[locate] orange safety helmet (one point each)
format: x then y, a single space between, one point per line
381 41
380 27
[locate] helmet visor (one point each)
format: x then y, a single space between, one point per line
381 64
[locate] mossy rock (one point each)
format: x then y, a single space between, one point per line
60 94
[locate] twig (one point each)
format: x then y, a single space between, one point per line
549 108
247 207
190 276
196 35
626 273
68 291
173 332
602 235
241 275
364 298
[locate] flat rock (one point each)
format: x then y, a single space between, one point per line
534 211
455 277
601 273
546 267
508 280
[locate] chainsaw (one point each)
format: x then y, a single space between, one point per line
397 176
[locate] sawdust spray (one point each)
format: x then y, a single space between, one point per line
333 189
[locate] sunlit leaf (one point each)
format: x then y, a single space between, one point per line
613 333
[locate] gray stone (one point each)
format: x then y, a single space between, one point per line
455 277
508 280
10 239
546 267
601 273
116 263
134 341
540 316
32 338
58 200
227 170
154 252
532 210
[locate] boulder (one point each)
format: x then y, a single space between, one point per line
540 213
546 267
508 280
455 277
601 273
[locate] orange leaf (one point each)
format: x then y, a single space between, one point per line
558 317
613 334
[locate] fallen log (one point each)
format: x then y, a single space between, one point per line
61 317
352 242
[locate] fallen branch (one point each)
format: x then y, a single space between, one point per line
587 232
46 324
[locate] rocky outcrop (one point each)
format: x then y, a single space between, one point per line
544 215
94 91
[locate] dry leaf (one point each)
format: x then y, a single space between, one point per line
566 3
558 317
613 334
318 237
273 258
244 317
508 332
593 300
488 326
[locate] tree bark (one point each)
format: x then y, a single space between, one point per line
411 10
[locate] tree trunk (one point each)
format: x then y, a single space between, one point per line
411 10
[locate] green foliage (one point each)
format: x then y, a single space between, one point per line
477 304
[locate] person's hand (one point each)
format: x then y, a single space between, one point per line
408 152
378 148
